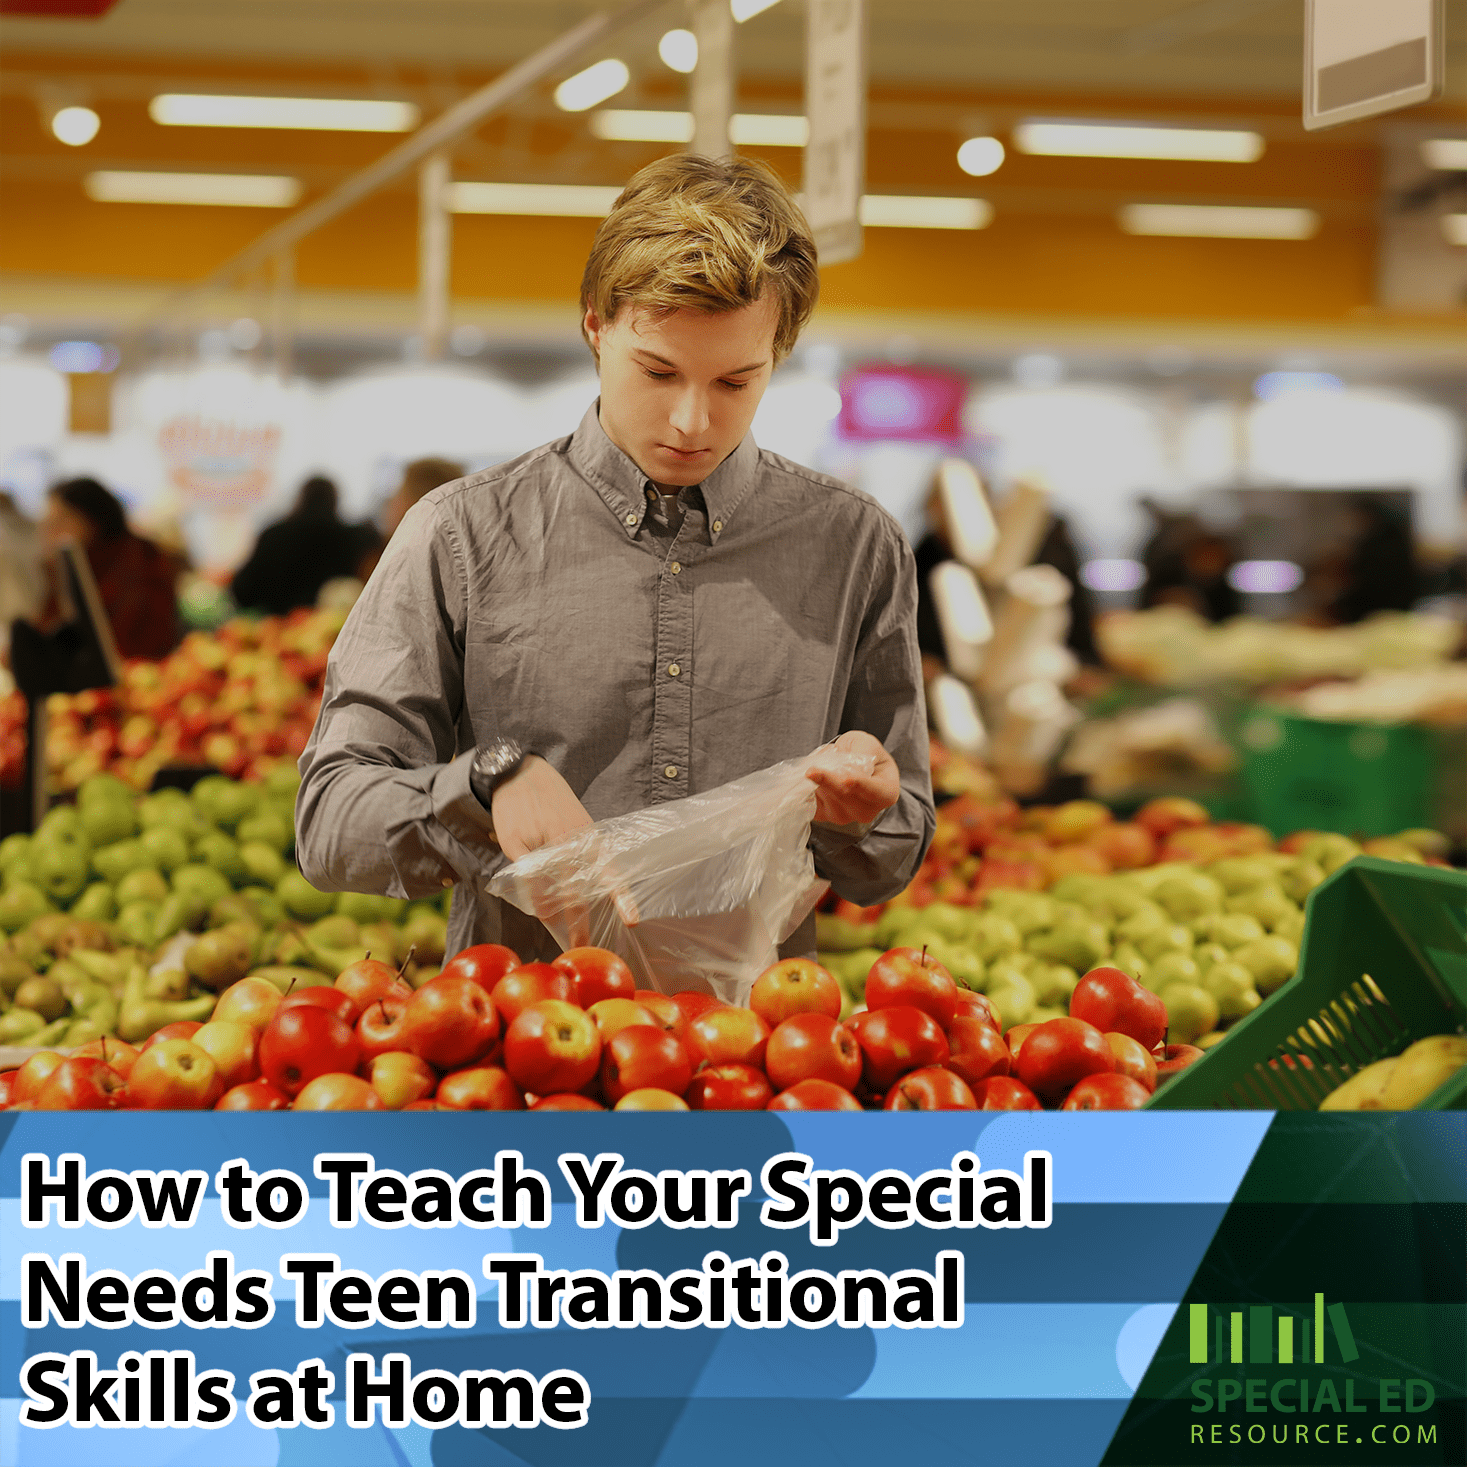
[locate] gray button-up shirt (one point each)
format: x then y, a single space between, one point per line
551 600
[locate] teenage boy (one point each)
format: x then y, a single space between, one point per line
642 611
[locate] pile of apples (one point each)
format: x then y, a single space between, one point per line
492 1033
242 699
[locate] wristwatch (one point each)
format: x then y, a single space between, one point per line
493 764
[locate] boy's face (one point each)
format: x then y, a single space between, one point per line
678 392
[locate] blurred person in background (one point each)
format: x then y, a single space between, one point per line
420 477
1377 571
1194 574
135 579
296 556
22 574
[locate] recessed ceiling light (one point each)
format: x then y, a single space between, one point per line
1136 140
313 114
679 50
981 156
242 190
1219 221
594 84
75 126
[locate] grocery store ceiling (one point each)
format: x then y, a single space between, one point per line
1244 47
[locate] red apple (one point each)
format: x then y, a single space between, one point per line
1129 1059
644 1057
814 1095
1107 1092
1003 1092
179 1029
595 974
486 1087
530 983
174 1075
1127 846
977 1006
794 986
552 1046
729 1087
1162 816
323 996
303 1042
251 1001
256 1095
1015 1036
31 1077
895 1040
565 1101
231 1046
485 963
1176 1057
694 1004
812 1046
1083 860
934 1088
450 1022
1059 1054
366 981
907 975
337 1092
399 1078
82 1082
379 1030
1114 1002
612 1015
1075 820
727 1036
663 1009
111 1051
650 1099
976 1050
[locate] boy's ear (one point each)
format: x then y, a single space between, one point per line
591 324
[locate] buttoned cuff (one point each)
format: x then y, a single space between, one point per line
832 838
457 809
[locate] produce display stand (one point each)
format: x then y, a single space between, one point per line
1383 963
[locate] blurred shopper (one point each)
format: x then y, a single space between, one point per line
1378 571
135 579
929 553
22 576
1194 574
296 556
420 477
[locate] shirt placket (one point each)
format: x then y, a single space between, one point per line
672 687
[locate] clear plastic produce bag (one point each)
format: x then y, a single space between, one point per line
695 893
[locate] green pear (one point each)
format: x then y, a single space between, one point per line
1173 938
61 822
1207 954
44 995
285 947
217 851
964 964
86 1027
142 885
14 851
20 1026
1135 925
1299 878
268 826
223 802
202 881
1172 967
1329 851
109 822
236 907
169 809
1079 887
20 903
14 970
301 899
1363 1090
1029 911
1185 898
891 926
1291 928
1118 899
267 909
165 846
1230 929
262 864
362 906
993 935
1271 961
180 911
96 903
832 933
103 789
1053 983
1042 1013
1079 945
331 960
53 1035
109 969
286 977
114 862
1190 1011
139 1016
61 868
1128 959
1423 1067
79 933
1239 873
1012 995
1267 905
283 781
137 921
381 937
220 957
428 933
1231 984
333 931
29 947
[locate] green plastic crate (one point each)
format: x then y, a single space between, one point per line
1383 963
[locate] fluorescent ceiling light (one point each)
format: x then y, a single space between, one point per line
980 156
594 84
1133 140
571 200
923 211
768 130
1454 226
679 50
1219 221
244 190
743 10
316 114
1448 153
75 126
746 129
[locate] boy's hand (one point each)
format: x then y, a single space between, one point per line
534 807
844 796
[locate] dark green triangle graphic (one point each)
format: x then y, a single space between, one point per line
1331 1307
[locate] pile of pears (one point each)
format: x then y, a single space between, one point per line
1212 940
123 913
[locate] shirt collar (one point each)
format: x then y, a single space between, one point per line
622 485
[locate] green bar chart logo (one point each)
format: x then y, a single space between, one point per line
1216 1337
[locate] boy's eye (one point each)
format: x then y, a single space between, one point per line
658 376
736 386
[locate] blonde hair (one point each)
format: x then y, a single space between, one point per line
706 234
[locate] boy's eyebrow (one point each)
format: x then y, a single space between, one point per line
662 361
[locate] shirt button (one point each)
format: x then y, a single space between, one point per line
631 519
651 492
677 570
717 526
673 670
670 771
448 881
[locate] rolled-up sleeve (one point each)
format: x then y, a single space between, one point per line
872 864
384 803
